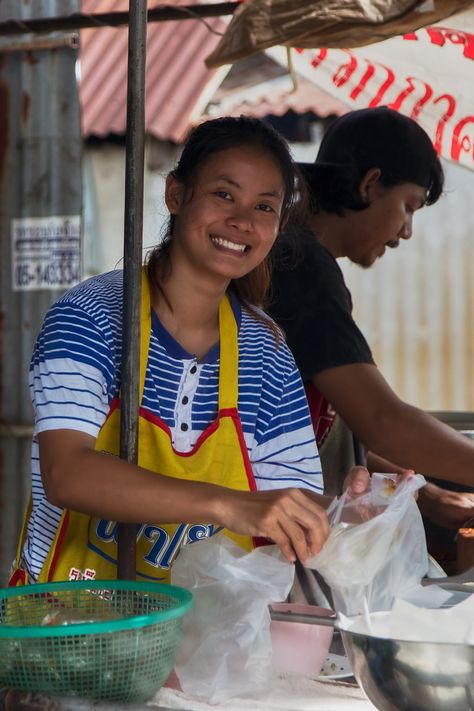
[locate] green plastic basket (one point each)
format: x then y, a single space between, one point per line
123 652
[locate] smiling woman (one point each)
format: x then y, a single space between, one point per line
225 437
250 171
226 223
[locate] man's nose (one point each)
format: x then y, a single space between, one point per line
407 230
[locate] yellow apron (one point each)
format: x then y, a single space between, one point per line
86 547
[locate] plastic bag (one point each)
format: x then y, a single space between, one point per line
226 649
376 550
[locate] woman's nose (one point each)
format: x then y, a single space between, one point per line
241 219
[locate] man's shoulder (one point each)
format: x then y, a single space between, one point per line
303 269
301 252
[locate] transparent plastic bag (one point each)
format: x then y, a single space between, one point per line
376 550
226 649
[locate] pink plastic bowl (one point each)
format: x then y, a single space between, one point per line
300 647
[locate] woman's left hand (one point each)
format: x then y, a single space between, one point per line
357 480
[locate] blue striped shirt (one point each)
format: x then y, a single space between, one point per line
75 373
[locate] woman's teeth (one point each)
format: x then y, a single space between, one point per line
228 245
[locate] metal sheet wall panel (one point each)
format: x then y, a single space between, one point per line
40 176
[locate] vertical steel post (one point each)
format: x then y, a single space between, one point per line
133 227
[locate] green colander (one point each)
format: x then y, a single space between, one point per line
109 639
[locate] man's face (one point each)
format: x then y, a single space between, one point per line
387 220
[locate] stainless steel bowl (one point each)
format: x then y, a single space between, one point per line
412 676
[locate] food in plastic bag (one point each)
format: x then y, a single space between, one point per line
376 550
226 649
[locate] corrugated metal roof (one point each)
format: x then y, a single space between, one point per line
259 86
177 79
276 97
179 87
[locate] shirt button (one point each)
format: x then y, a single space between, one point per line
185 400
193 369
184 426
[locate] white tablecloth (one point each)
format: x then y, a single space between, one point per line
289 693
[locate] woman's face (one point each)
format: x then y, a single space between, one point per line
227 221
387 220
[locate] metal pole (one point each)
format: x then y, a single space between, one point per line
133 227
27 43
79 20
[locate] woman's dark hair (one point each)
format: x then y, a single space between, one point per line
371 138
204 141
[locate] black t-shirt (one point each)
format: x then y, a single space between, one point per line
311 302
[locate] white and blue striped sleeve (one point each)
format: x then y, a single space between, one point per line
71 372
285 453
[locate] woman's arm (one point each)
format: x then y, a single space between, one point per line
76 476
393 429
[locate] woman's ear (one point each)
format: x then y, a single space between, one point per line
369 184
174 192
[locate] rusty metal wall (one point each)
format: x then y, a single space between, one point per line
40 177
416 305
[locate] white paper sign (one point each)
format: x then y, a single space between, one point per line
46 252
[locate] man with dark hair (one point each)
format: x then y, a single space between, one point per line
375 168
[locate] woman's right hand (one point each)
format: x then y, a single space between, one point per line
290 518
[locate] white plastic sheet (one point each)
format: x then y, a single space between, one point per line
226 649
420 622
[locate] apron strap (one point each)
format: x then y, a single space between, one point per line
145 330
229 357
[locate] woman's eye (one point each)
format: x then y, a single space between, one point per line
265 208
223 194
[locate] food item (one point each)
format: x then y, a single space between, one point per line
70 616
390 486
465 549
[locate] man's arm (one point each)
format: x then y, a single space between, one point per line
393 429
451 509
